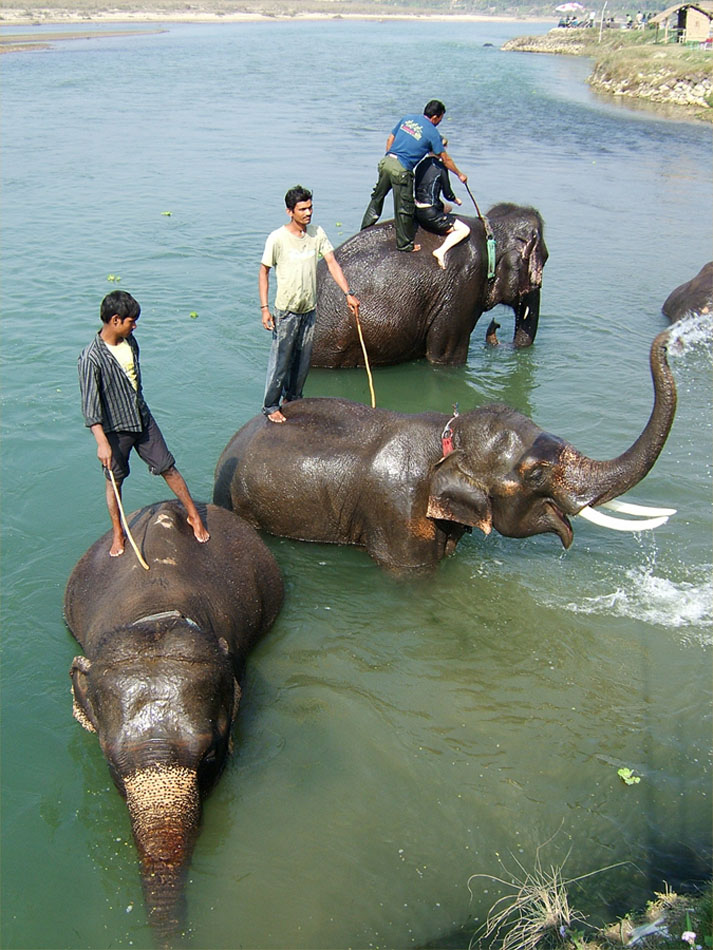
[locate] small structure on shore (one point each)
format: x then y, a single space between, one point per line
689 22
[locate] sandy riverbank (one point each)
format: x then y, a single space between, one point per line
195 13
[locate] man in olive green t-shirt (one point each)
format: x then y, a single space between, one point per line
293 250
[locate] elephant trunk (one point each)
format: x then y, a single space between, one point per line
590 482
527 317
164 806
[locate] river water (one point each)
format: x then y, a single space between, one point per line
395 737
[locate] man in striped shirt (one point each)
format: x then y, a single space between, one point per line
115 410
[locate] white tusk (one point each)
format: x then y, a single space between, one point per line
620 524
627 508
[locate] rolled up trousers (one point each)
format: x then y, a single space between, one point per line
394 177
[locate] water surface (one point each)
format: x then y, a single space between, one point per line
395 737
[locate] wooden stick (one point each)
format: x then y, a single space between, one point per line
125 523
366 361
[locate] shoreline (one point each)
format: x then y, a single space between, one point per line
26 16
15 17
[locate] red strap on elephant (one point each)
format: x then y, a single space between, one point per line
447 434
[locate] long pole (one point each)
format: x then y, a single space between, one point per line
125 522
366 361
601 22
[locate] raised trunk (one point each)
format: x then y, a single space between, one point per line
164 805
589 482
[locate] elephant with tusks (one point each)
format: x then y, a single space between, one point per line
406 487
159 681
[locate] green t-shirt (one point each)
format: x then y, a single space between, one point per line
295 261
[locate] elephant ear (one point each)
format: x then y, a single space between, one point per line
456 496
532 253
81 705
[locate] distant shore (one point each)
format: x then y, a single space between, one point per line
193 13
631 64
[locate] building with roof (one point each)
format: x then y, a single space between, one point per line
686 22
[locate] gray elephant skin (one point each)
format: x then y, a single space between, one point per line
410 308
342 472
159 681
692 298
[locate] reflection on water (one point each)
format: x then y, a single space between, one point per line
395 736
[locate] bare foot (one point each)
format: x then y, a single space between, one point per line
276 416
439 259
199 529
117 546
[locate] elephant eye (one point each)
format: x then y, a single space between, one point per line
537 475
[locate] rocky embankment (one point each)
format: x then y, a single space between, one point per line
669 75
659 85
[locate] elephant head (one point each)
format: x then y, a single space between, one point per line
161 696
520 256
506 473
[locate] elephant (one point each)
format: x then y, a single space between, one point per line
692 298
407 486
159 682
410 308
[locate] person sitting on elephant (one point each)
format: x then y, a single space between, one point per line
293 250
410 140
114 409
432 214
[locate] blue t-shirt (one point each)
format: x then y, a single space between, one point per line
414 137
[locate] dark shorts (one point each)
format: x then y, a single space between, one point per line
435 220
150 446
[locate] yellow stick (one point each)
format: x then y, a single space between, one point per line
366 363
125 522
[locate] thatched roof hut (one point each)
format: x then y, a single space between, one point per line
689 22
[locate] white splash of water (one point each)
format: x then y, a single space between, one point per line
642 595
691 333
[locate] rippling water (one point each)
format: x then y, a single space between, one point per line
395 738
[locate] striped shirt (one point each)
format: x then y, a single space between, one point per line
108 398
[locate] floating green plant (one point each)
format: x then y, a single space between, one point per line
628 776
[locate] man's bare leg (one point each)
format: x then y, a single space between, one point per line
177 484
118 541
459 232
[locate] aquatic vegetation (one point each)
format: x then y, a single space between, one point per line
628 776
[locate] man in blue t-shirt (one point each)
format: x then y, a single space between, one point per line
410 140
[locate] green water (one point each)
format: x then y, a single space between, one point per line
395 737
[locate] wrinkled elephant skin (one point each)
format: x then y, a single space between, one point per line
410 308
164 651
692 298
341 472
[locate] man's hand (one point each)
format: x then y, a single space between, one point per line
268 321
103 447
353 304
458 201
463 178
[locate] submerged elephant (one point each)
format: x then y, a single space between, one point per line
159 682
406 488
692 298
410 308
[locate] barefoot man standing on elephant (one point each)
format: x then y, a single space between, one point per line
410 140
115 410
293 250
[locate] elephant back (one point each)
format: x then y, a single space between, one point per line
230 586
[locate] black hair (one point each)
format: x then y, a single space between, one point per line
295 195
434 108
120 303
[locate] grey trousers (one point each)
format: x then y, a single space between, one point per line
289 359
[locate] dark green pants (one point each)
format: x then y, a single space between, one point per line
394 177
